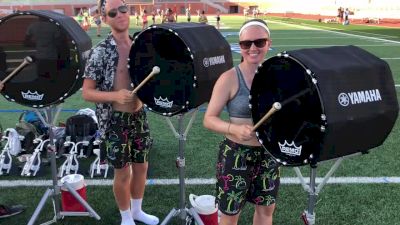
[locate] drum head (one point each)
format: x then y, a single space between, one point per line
189 63
293 133
55 42
169 91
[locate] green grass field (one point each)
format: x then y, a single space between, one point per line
338 203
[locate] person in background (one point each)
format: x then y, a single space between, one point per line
218 17
203 18
97 21
144 20
123 124
153 16
169 17
245 171
188 16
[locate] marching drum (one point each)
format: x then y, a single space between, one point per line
191 57
55 42
335 101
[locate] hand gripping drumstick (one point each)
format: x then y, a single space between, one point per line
278 106
27 60
156 70
275 107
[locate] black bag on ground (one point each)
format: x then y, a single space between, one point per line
81 127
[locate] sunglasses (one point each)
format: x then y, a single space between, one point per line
113 12
259 43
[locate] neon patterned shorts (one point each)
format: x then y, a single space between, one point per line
245 173
128 139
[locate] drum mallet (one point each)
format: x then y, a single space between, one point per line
27 60
155 71
278 106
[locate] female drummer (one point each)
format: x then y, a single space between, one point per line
245 172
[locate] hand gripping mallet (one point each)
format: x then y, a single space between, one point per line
27 60
155 71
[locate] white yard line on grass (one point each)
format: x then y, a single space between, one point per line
203 181
336 32
390 58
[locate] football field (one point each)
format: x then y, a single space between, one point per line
365 190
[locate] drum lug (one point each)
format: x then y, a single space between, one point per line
314 81
323 117
322 128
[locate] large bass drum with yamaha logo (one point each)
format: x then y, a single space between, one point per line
344 102
56 44
191 57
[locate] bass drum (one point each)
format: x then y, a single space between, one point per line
56 43
336 101
189 62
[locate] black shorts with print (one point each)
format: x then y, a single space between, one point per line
245 173
128 138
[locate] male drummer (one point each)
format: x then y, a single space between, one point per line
122 119
245 172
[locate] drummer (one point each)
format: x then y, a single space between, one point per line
245 172
122 120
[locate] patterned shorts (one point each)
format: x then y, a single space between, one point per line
128 139
245 173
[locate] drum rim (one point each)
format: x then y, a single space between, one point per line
66 93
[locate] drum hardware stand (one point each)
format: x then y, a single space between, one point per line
5 156
33 162
54 192
96 165
185 214
71 163
308 216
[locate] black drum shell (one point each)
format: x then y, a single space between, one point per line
191 57
317 122
64 72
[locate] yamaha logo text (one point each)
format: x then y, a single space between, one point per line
216 60
359 97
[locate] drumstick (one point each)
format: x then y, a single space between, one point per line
27 60
275 107
155 71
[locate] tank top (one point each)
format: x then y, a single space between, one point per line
238 106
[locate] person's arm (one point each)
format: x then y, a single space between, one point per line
91 94
219 98
93 72
1 86
224 89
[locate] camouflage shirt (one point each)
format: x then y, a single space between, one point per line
101 67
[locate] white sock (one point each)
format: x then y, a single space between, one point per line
139 215
126 217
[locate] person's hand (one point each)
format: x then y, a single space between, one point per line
242 132
123 96
1 86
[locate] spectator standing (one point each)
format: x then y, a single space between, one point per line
203 18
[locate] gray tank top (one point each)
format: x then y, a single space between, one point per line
238 106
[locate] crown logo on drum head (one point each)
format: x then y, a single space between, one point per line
163 102
290 149
32 96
